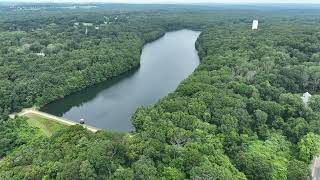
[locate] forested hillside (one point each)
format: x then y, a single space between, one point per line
238 116
48 54
243 100
43 62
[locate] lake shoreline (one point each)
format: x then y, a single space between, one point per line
164 64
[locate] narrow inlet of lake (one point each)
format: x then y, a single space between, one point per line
111 104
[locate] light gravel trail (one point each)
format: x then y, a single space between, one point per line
33 111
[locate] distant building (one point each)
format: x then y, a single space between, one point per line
40 54
106 20
255 24
87 24
12 116
306 97
76 25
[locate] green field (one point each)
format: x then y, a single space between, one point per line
47 127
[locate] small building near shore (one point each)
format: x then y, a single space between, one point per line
82 121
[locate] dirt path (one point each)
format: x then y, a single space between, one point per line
32 111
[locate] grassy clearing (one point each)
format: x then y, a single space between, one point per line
47 127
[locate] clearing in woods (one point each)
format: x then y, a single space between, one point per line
42 116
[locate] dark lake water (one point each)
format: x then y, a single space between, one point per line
110 105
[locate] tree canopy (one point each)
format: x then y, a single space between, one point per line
238 116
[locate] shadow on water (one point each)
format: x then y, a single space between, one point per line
79 98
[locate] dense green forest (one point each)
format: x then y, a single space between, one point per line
238 116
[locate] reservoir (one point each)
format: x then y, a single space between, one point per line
110 105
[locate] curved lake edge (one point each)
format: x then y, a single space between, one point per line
111 78
120 76
110 82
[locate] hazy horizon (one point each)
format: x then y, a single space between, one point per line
173 1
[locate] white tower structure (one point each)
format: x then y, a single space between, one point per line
305 98
255 24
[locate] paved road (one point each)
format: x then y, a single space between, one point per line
68 122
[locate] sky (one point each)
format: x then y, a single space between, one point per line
174 1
